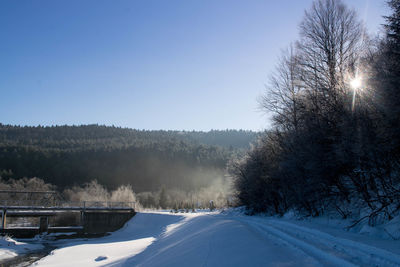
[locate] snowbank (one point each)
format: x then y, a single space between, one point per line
139 233
10 248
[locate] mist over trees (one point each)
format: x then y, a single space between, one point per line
147 160
334 144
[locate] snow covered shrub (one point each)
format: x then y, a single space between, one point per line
92 191
124 193
95 192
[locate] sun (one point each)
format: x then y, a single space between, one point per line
356 83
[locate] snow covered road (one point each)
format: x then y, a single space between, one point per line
213 239
328 249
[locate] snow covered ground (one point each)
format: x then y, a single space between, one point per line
225 239
10 248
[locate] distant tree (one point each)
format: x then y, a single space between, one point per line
163 202
123 193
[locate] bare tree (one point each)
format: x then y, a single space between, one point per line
283 92
331 41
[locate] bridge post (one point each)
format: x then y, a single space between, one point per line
4 219
82 220
83 214
43 224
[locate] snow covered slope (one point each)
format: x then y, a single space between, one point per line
215 239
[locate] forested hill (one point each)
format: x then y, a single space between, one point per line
67 155
94 136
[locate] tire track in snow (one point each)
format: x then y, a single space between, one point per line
359 252
321 256
327 249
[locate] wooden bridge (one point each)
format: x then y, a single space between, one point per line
95 217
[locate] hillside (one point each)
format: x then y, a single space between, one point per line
68 155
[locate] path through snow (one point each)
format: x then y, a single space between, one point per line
213 239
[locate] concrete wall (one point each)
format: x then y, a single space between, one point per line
102 222
92 222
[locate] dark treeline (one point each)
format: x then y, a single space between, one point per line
95 136
146 160
335 100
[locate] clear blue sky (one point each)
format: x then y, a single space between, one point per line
146 64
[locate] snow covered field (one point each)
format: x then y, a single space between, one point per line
225 239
